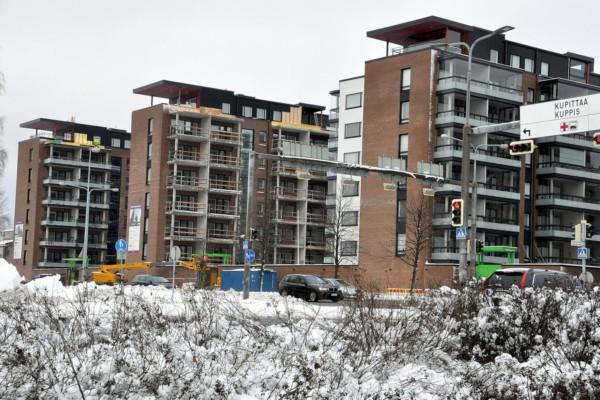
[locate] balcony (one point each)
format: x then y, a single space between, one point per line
551 231
184 234
317 196
458 117
226 186
287 242
72 162
569 171
318 175
189 134
448 254
289 193
189 158
225 137
576 203
485 88
287 217
222 211
315 243
485 223
187 183
487 190
282 170
73 223
59 242
224 161
498 158
71 203
575 140
186 208
71 182
316 218
221 236
333 144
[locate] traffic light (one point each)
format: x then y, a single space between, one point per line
596 139
456 208
478 246
253 234
589 230
521 147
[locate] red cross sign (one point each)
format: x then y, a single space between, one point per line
564 127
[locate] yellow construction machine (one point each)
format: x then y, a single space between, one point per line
109 274
208 274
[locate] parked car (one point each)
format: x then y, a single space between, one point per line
504 279
347 291
151 280
308 287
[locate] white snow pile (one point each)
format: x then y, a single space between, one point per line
94 342
50 284
9 276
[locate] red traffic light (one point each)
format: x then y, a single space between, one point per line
596 139
457 212
521 147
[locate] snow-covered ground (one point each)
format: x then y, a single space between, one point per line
92 341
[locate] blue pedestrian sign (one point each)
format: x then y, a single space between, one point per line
582 253
250 256
121 245
461 233
245 245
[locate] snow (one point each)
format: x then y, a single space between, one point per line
9 276
50 284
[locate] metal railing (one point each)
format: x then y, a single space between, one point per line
560 164
184 233
288 215
189 131
186 155
317 195
315 218
289 192
221 234
188 181
315 242
559 196
186 206
554 227
225 137
225 160
475 84
477 117
221 209
223 184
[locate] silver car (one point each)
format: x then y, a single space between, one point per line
346 290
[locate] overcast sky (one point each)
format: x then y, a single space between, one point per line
83 58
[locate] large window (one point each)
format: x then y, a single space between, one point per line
577 71
226 108
115 142
400 243
276 115
348 248
493 55
404 112
350 218
405 79
262 137
352 157
261 113
528 65
352 130
350 189
515 61
544 68
247 111
353 100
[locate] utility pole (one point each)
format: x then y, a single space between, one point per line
246 236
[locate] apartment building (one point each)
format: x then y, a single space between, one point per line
414 109
190 185
53 168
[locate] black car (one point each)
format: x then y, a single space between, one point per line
504 279
308 287
151 280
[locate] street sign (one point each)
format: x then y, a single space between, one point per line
245 245
582 253
560 117
576 243
250 255
175 253
121 255
121 245
461 233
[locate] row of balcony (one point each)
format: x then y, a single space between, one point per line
292 193
82 182
313 243
195 158
196 134
74 162
71 242
193 234
53 201
73 222
194 183
282 170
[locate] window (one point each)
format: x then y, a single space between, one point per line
24 257
493 55
400 243
544 67
530 95
515 61
350 218
28 195
276 115
528 65
149 151
226 108
148 175
30 154
352 158
67 136
260 209
115 142
348 248
150 126
262 163
247 111
404 112
261 113
352 130
405 82
353 100
27 216
260 184
25 240
262 137
350 189
577 71
127 144
29 175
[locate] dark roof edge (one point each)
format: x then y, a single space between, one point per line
431 18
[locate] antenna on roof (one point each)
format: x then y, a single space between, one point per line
72 119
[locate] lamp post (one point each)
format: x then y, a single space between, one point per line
464 179
475 148
89 191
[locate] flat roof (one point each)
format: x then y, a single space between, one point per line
48 124
170 89
401 33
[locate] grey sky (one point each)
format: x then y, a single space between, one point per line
81 58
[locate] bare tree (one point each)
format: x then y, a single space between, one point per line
418 233
336 232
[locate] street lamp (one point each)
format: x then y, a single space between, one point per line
84 262
475 149
464 179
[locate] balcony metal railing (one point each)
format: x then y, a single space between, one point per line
289 192
188 181
487 88
221 209
559 164
186 155
223 184
317 195
287 241
283 170
458 147
225 137
192 132
224 160
186 206
77 162
288 215
559 196
318 242
553 227
476 117
184 233
224 234
315 218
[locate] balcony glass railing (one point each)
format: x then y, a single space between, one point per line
189 131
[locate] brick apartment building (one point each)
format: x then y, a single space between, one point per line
416 93
52 177
189 183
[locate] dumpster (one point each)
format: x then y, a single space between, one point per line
233 279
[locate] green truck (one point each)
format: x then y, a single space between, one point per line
485 269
